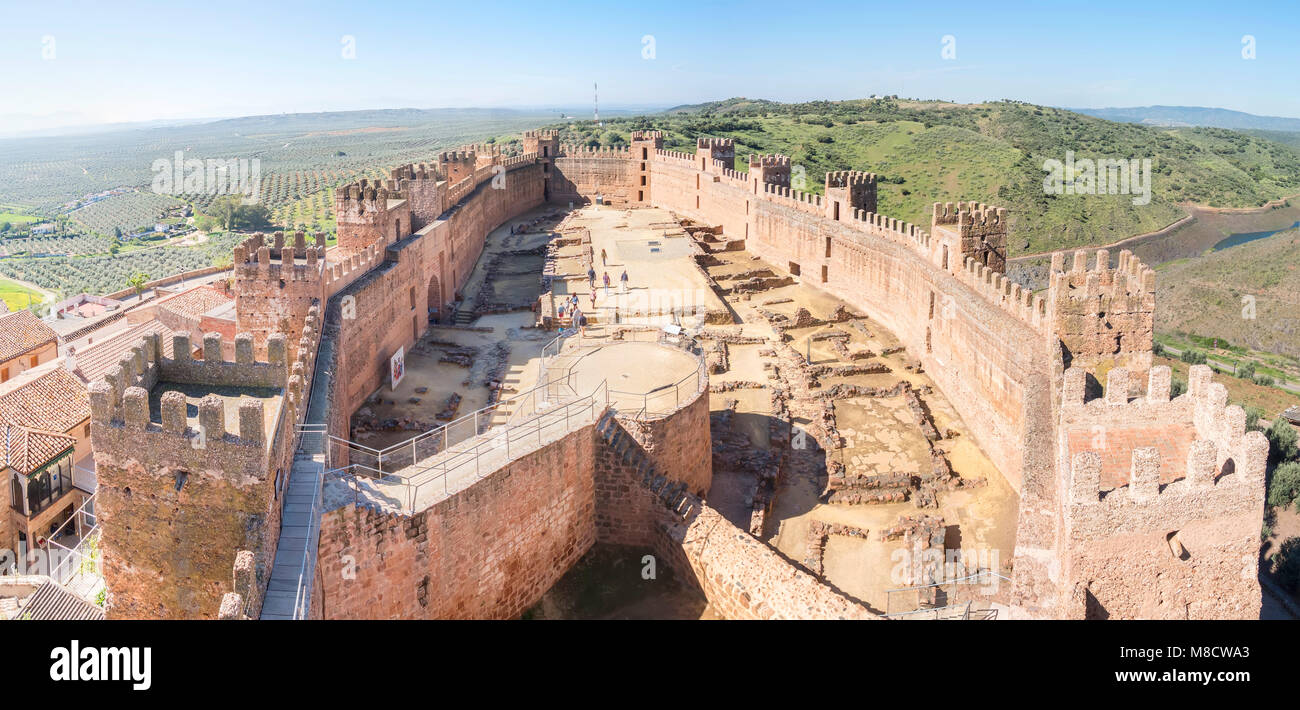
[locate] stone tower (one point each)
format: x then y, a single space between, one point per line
769 170
190 456
644 145
972 229
711 150
849 190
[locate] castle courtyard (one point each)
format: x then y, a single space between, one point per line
841 381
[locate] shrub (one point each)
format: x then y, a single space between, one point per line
1286 564
1281 440
1285 486
1177 387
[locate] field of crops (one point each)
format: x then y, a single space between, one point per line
129 212
108 273
17 296
72 244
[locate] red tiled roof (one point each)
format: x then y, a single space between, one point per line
26 450
22 331
94 361
52 399
196 301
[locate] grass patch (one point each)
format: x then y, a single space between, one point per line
16 295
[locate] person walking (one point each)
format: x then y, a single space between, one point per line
593 298
602 257
591 276
606 277
580 320
623 281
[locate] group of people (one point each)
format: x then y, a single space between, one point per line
570 304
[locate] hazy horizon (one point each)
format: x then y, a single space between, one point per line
98 65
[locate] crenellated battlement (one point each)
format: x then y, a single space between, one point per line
770 169
1123 479
1103 314
717 153
973 229
718 144
572 150
362 201
769 161
849 190
665 155
256 258
647 135
969 214
848 178
544 134
121 404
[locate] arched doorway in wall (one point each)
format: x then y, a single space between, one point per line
435 299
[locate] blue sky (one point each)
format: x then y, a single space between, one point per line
133 61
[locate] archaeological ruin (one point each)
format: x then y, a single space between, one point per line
515 377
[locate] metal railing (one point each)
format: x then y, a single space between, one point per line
944 599
667 398
78 567
472 458
660 401
435 441
302 597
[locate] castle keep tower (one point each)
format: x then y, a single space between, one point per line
1103 315
709 150
1160 527
849 190
972 229
188 472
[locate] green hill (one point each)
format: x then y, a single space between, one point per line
992 152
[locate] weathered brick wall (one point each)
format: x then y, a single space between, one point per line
488 552
679 445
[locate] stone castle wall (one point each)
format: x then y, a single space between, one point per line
176 502
1166 492
583 173
387 306
487 552
988 360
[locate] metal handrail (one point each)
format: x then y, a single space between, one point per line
414 444
509 434
302 599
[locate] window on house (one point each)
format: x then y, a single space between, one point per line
36 360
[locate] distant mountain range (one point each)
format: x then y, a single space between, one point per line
1192 116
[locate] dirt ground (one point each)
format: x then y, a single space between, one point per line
880 436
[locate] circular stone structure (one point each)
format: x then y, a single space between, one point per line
658 378
660 396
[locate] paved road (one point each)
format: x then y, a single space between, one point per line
1229 368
